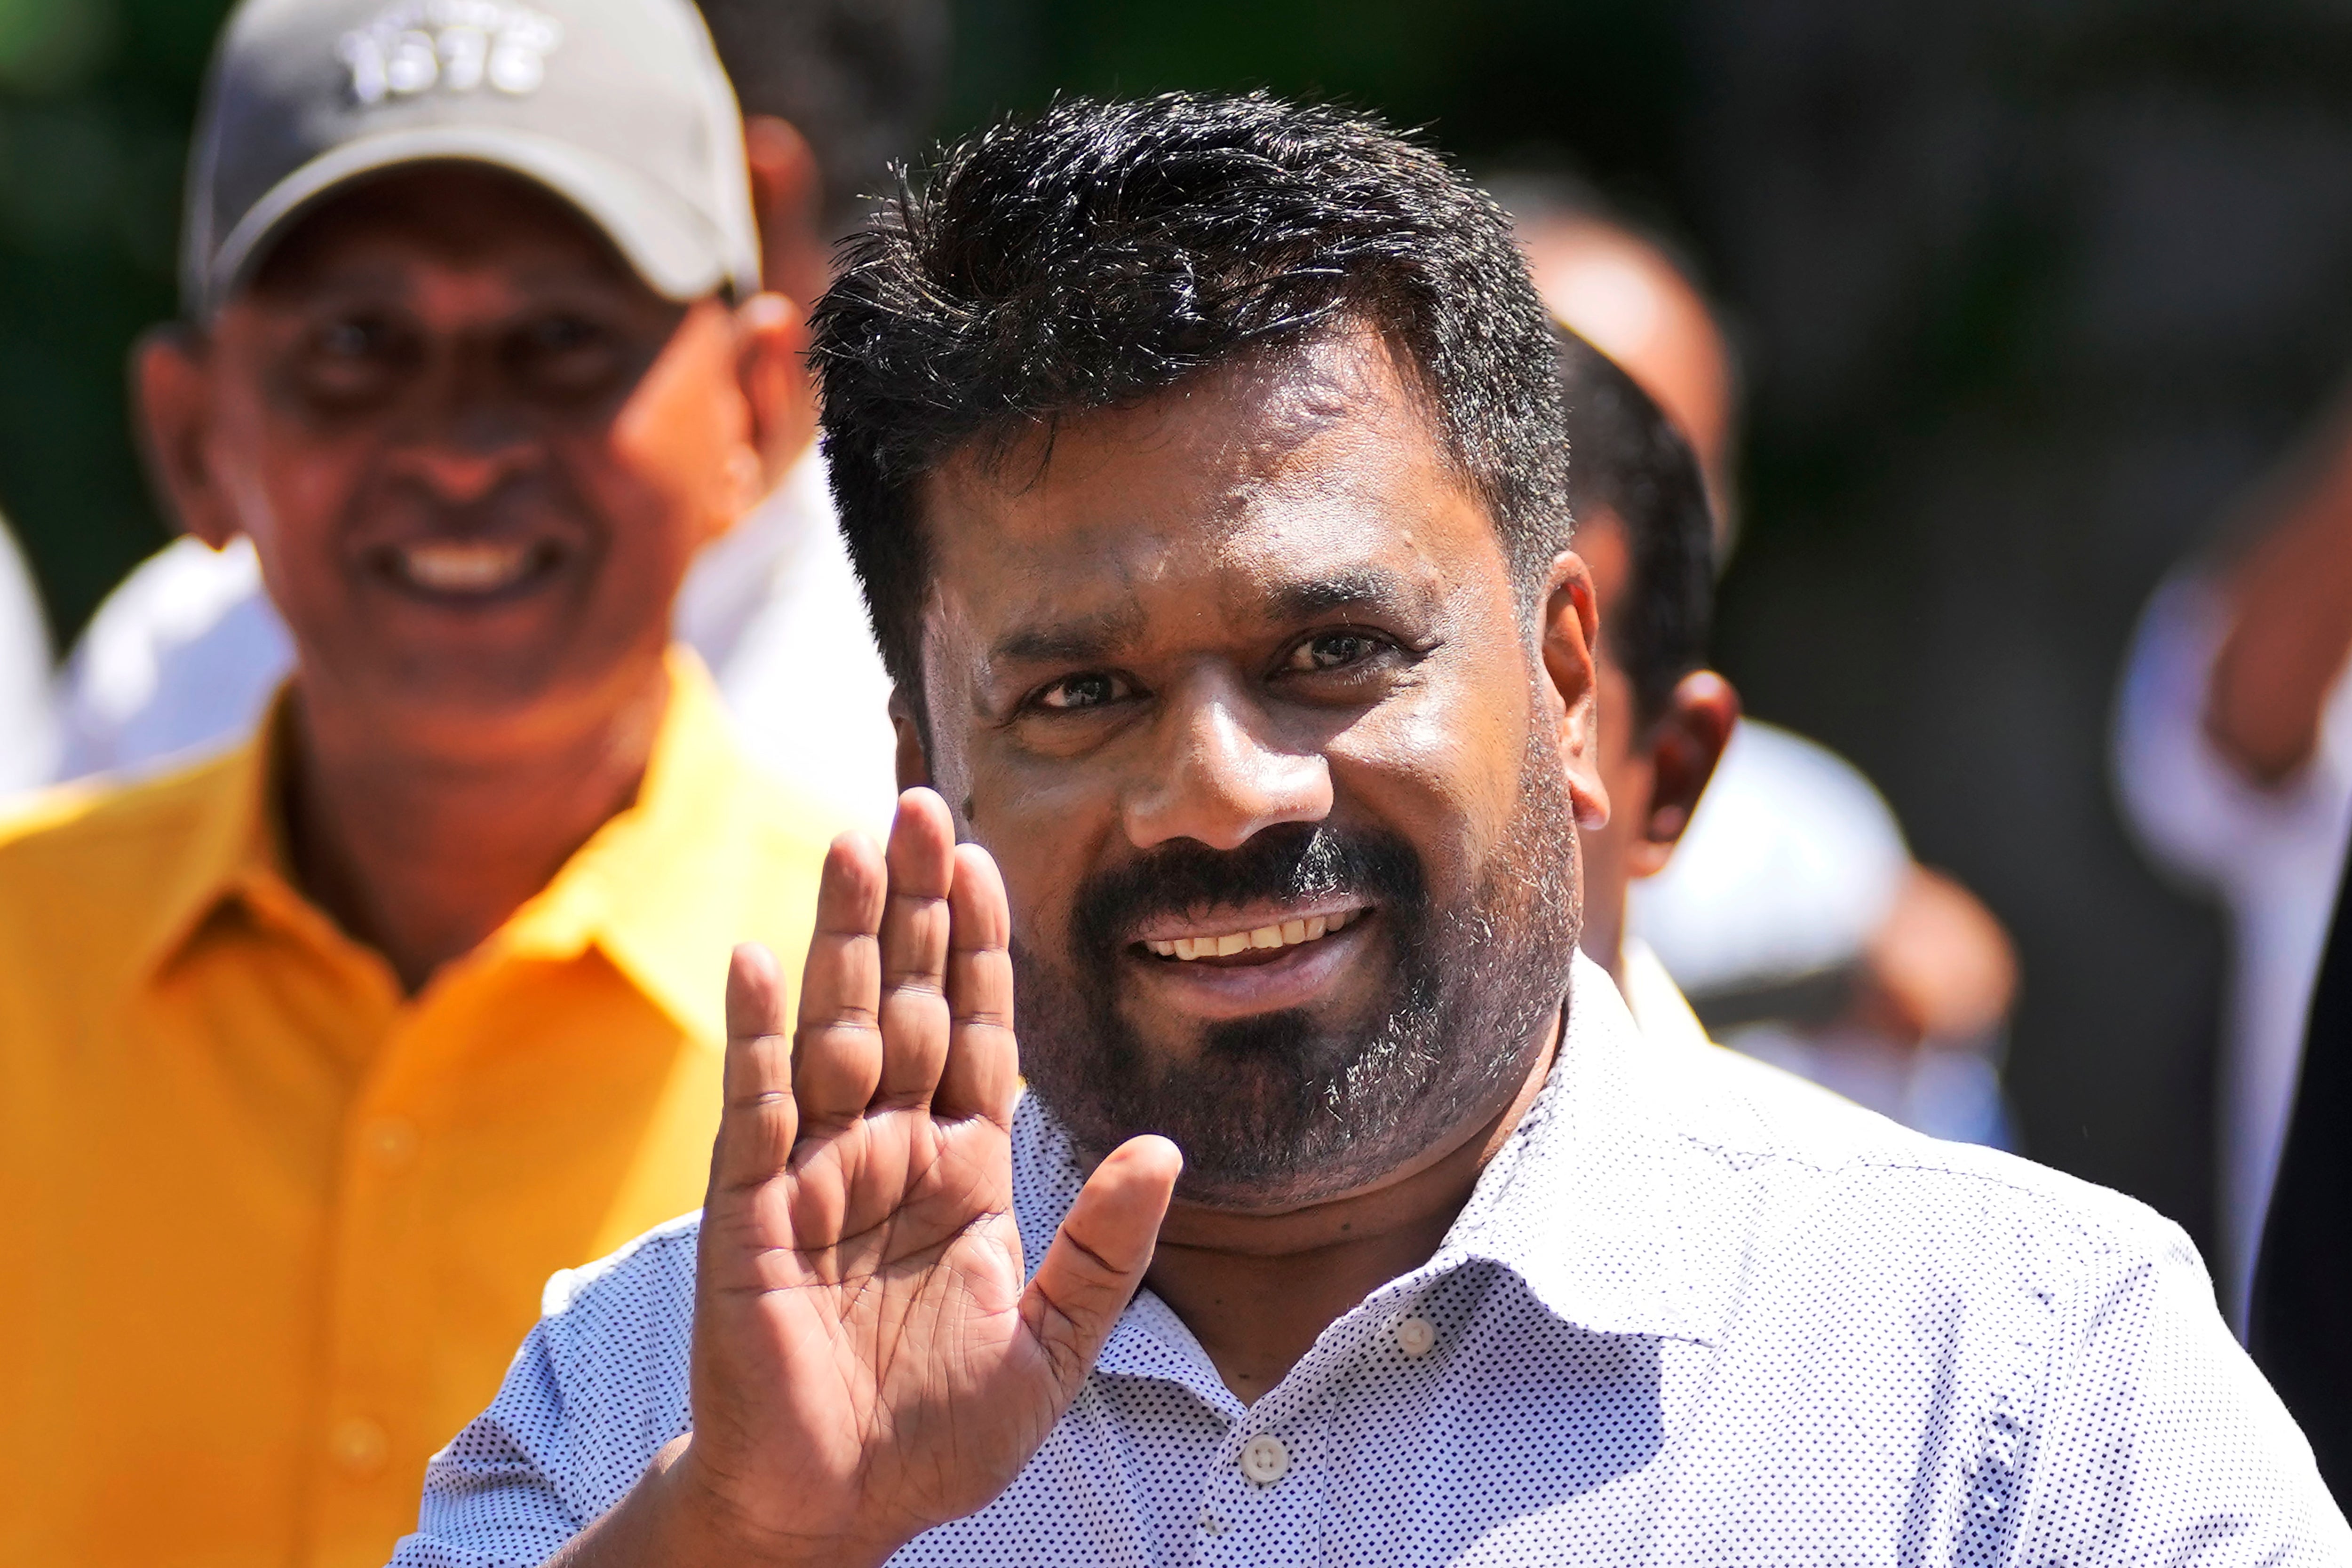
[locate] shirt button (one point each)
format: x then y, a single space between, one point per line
358 1445
1265 1461
391 1141
1416 1336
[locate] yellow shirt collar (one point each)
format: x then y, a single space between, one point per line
656 888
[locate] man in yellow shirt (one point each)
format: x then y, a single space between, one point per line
315 1060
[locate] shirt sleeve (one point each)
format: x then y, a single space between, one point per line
2163 1444
2192 808
598 1390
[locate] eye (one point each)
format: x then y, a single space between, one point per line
1327 651
353 360
1073 693
566 354
352 339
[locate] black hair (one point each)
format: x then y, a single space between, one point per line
1627 458
861 79
1102 252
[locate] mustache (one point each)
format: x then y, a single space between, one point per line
1288 862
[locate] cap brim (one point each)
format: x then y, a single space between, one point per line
672 248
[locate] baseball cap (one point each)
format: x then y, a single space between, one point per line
618 106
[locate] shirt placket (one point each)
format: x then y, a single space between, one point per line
378 1299
1262 1503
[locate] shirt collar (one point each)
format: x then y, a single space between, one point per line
1588 1202
659 888
231 848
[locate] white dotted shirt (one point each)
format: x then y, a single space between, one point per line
1697 1311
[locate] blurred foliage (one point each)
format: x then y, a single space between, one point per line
96 97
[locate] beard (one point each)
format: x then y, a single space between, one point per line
1297 1105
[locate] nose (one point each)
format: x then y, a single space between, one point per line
464 440
1218 777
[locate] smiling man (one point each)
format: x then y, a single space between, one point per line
1202 458
316 1059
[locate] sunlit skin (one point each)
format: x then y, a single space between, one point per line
1654 766
1268 599
1262 598
475 454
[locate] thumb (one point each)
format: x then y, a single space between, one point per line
1097 1259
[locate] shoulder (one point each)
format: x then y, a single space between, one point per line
95 837
1758 1115
1830 1177
89 869
635 1303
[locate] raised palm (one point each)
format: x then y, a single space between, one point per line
868 1362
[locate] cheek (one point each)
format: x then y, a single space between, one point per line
291 487
676 438
1442 765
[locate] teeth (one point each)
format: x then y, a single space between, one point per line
464 567
1290 934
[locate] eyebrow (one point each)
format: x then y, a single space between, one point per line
1362 585
1097 637
1069 642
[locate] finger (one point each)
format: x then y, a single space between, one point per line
1099 1255
837 1050
915 921
758 1120
984 1065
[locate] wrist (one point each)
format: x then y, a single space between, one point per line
700 1525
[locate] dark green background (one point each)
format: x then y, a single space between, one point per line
2025 293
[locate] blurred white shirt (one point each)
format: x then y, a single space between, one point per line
1792 863
183 657
2272 855
28 733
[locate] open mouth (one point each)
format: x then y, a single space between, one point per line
1257 943
467 568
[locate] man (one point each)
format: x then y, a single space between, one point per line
1793 910
316 1059
1643 528
1202 458
2234 764
186 654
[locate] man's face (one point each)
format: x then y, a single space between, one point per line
1236 685
475 452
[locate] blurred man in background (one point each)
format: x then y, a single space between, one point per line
316 1059
2233 758
1792 913
185 654
28 728
1644 529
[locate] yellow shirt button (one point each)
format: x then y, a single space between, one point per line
391 1141
358 1445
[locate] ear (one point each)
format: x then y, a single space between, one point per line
772 334
171 391
1569 628
788 203
914 761
1685 743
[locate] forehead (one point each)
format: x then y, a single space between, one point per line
1229 497
451 217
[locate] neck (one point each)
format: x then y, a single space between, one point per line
422 854
1256 1289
